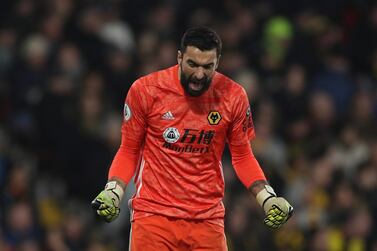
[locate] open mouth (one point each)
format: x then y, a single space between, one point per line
195 86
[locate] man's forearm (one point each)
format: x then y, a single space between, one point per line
124 164
245 165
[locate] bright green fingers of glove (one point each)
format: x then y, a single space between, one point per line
106 204
278 214
275 217
277 209
109 214
107 199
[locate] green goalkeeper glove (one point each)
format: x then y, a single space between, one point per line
106 204
277 209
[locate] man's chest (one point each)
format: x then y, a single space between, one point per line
182 121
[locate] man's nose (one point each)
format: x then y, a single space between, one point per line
199 73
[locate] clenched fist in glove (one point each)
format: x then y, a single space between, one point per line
277 209
106 204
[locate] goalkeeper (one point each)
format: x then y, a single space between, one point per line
176 123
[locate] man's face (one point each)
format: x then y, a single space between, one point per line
197 69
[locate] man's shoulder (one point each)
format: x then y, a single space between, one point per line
156 76
226 84
156 79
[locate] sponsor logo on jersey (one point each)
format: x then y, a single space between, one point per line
171 135
248 112
186 148
214 117
192 140
168 116
193 136
248 121
126 112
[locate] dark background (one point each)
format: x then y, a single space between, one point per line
310 70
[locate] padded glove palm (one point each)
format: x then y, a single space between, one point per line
277 209
106 204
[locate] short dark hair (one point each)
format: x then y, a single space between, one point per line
203 38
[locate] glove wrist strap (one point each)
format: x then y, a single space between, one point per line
265 194
114 187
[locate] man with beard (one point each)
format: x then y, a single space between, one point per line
176 122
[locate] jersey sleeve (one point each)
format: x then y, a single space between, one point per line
134 115
133 133
241 130
246 165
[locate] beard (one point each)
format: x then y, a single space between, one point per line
193 86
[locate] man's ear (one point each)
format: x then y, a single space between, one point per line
179 57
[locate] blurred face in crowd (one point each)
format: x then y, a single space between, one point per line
196 69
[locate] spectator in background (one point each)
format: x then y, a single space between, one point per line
335 81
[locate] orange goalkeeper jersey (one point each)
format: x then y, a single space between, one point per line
181 140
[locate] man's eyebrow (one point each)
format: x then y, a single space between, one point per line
196 64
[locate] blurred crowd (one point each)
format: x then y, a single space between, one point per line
309 68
